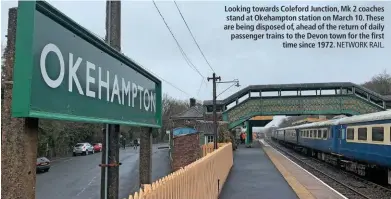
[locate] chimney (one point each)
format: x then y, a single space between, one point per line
192 102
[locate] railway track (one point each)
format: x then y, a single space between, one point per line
345 183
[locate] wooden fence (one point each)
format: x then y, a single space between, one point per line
202 179
209 147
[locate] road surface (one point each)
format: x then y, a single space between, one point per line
79 177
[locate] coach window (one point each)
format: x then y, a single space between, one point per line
324 133
319 134
362 133
378 134
350 134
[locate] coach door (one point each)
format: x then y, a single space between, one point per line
340 137
336 137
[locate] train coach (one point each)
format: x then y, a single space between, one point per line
361 144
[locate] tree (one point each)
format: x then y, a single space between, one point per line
171 107
380 83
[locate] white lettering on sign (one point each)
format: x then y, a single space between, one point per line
46 50
134 93
72 74
104 84
115 90
89 79
125 92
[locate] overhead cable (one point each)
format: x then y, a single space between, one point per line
195 41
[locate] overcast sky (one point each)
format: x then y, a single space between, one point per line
146 40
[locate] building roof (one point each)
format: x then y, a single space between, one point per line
207 126
183 131
194 112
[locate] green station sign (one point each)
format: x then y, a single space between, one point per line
62 71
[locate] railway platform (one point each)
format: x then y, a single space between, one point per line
262 172
254 176
304 184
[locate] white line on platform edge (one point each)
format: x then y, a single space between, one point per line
264 143
306 171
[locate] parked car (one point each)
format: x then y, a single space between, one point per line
43 164
98 147
83 149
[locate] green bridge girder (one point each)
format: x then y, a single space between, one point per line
348 99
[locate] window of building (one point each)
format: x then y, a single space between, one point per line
362 133
378 134
209 138
350 134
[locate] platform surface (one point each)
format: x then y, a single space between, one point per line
305 185
254 176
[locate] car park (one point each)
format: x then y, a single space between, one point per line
83 149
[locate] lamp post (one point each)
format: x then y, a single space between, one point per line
214 78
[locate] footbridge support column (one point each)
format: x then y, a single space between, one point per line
249 134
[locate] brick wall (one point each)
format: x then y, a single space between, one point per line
185 151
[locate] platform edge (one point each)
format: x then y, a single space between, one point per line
298 188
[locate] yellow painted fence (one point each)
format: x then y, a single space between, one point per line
209 147
202 179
